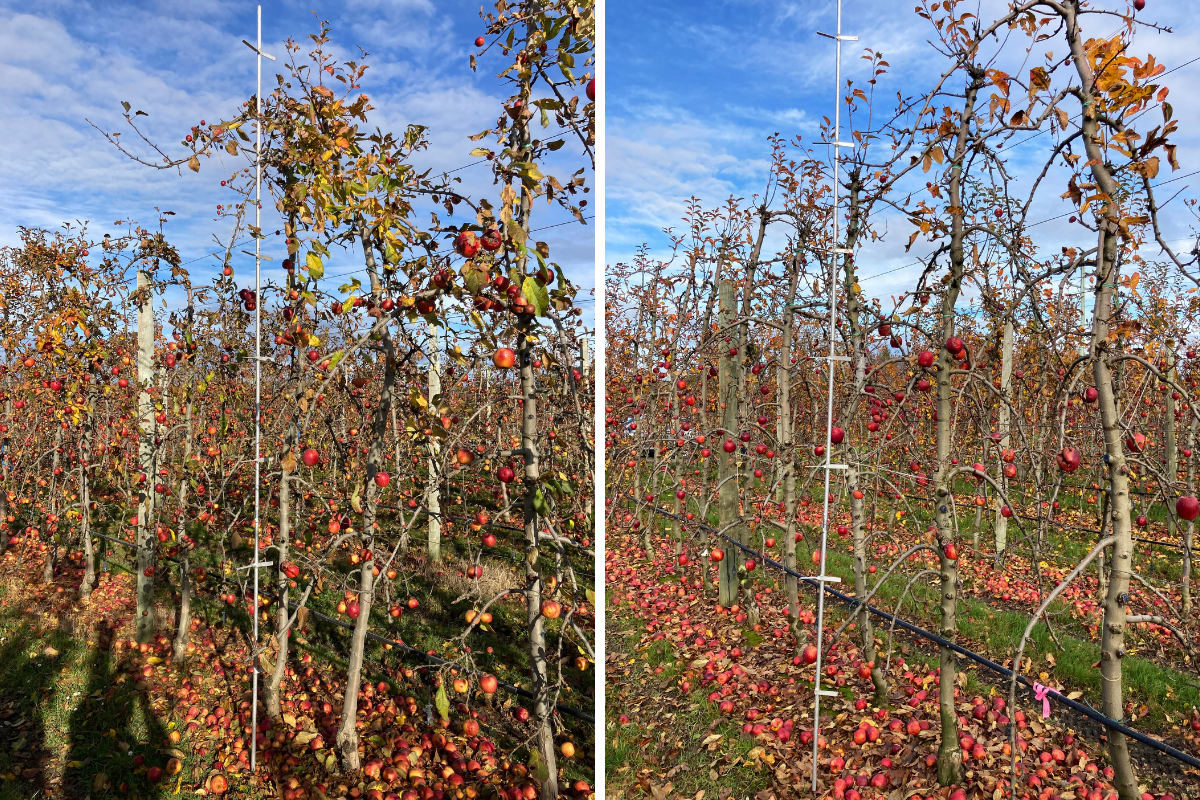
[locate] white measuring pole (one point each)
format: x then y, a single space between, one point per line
255 564
836 250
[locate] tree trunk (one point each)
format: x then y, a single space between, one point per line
705 476
727 493
282 632
5 448
1006 356
145 539
677 465
858 522
1190 530
433 490
347 735
183 629
547 771
85 511
950 763
1172 453
787 451
52 537
1112 642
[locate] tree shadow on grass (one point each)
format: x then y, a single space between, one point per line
112 724
29 700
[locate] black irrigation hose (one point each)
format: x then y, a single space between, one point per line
434 660
1085 710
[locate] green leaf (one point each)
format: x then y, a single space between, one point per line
316 269
557 143
515 231
536 294
442 702
475 276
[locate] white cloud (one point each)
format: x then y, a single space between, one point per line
63 62
697 124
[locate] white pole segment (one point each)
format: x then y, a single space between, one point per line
255 564
833 359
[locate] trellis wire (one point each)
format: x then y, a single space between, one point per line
816 582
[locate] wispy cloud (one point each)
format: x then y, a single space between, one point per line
63 62
696 90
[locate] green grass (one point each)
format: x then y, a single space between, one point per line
997 632
649 747
78 713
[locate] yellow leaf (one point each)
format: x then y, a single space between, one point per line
194 164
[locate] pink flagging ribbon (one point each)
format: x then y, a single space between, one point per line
1041 692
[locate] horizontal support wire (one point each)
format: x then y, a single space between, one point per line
1085 710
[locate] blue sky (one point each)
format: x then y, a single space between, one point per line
67 61
694 90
